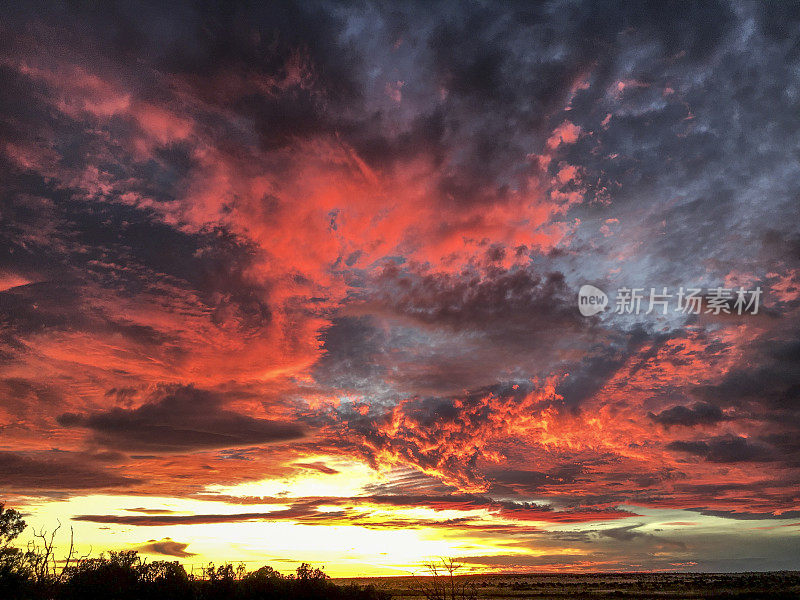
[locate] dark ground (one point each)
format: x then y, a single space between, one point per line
784 584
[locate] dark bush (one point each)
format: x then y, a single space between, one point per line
124 576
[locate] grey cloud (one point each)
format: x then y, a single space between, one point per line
185 419
725 449
57 471
699 413
166 547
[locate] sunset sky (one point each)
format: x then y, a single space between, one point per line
299 282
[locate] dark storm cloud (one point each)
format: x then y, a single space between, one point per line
442 333
503 76
481 300
591 374
749 515
208 38
699 413
771 379
352 351
529 482
786 443
182 420
765 387
726 449
203 44
516 313
57 471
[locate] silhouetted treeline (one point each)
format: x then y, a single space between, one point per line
125 576
35 574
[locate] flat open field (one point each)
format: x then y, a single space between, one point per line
785 584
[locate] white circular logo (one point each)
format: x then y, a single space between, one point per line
591 300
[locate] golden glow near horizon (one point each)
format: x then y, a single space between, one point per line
344 550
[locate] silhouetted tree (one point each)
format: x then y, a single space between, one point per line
442 582
15 573
11 525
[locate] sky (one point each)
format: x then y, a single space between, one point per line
288 282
